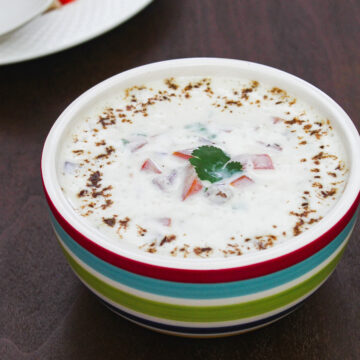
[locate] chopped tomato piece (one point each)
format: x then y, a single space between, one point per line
259 161
165 221
262 161
65 1
195 187
149 165
241 181
184 154
192 184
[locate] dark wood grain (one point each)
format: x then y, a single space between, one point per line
45 313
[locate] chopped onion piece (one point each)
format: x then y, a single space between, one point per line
165 221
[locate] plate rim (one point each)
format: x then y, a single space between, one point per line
111 26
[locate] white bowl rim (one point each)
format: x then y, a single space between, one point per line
343 205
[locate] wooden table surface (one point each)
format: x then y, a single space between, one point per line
45 312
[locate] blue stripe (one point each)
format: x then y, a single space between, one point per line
202 291
186 330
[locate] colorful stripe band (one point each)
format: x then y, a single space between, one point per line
206 276
202 291
202 313
183 330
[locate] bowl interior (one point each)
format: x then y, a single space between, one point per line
206 67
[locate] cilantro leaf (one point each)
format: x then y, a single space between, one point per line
233 167
212 164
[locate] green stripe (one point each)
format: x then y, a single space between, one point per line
202 313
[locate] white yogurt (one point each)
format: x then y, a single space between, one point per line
121 167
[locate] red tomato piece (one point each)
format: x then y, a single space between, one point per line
184 154
192 184
64 2
262 161
149 165
242 181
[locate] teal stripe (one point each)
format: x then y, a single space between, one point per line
201 313
202 291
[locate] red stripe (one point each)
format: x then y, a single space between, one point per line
206 276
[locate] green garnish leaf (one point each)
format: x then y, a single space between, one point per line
233 167
212 164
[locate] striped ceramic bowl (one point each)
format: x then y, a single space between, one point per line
202 297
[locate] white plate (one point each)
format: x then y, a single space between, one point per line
16 13
68 26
